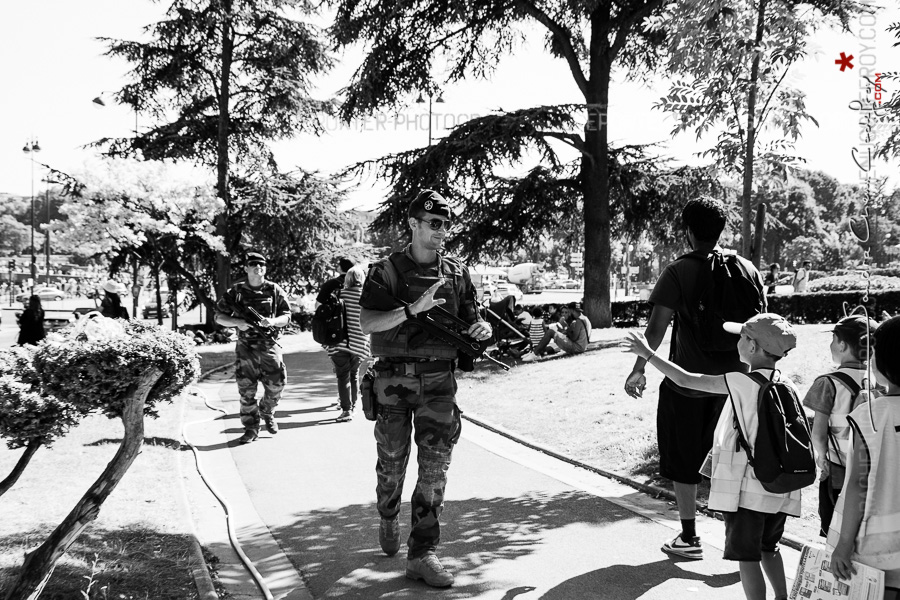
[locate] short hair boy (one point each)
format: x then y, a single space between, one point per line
754 517
833 396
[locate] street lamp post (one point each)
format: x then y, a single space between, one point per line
31 148
420 100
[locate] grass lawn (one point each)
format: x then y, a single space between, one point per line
578 406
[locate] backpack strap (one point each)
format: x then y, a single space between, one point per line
854 389
762 381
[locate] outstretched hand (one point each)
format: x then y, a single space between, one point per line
636 343
426 301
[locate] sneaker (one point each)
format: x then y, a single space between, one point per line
389 535
344 417
271 425
678 547
429 569
249 436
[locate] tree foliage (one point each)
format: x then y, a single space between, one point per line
731 63
221 79
407 44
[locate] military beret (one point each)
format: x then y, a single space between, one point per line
429 201
253 257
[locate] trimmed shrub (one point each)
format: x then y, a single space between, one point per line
838 283
96 374
26 415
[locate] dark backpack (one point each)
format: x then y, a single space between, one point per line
329 322
728 293
784 460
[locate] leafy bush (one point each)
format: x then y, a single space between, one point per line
27 416
838 283
96 373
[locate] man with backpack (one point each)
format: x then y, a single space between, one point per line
331 288
259 309
414 381
702 290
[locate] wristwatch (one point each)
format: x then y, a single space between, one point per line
409 314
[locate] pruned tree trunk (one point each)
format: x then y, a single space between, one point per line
751 141
23 461
39 564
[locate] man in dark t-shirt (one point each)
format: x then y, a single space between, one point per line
686 419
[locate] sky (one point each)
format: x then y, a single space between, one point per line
52 67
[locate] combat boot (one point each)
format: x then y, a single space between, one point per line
429 569
271 424
389 535
249 436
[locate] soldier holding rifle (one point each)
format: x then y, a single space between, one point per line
259 309
406 301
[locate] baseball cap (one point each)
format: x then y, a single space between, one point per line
255 257
112 287
772 332
429 201
853 328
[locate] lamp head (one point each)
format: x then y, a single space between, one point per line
98 100
420 99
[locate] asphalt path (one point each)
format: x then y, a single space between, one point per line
513 526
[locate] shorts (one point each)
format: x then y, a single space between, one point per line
749 533
684 433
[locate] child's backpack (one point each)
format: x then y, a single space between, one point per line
784 460
329 322
854 389
729 293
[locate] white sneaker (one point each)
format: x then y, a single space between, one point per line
678 547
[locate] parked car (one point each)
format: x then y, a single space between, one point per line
150 309
508 289
44 292
52 320
569 284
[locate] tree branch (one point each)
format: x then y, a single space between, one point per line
564 39
571 139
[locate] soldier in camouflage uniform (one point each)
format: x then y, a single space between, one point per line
415 385
258 353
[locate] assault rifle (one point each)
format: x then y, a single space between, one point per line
469 347
250 314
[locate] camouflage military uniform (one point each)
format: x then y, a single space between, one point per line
259 359
424 402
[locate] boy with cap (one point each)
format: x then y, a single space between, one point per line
833 396
258 353
754 517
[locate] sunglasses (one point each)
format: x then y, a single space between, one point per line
437 224
256 264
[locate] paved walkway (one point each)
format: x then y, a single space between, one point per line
517 523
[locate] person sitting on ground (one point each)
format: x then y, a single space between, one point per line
754 517
31 322
571 338
832 399
111 305
536 327
523 318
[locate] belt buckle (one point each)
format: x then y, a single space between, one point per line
409 369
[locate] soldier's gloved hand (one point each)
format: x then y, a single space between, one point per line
265 322
480 330
426 301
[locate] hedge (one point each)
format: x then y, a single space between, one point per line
814 307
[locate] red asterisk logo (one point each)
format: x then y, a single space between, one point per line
844 61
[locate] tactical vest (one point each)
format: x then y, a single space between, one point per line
408 339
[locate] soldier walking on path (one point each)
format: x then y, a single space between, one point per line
415 385
259 309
